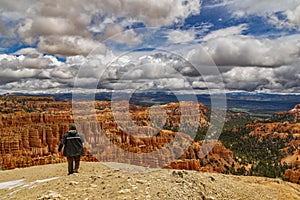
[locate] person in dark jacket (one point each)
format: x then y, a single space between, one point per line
72 142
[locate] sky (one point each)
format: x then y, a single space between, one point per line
53 46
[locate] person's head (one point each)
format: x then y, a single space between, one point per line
73 127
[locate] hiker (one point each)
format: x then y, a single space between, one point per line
73 148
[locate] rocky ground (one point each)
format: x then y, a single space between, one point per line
122 181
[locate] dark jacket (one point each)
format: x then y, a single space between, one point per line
72 141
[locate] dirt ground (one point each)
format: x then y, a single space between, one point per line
123 181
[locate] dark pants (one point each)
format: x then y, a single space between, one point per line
71 161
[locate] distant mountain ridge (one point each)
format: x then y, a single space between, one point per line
261 104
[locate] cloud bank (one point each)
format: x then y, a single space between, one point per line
44 44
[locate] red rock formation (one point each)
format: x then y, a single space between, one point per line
219 159
292 175
31 128
286 126
295 112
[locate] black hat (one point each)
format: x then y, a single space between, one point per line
73 127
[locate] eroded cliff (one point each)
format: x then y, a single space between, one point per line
158 136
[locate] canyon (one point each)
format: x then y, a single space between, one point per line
159 136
